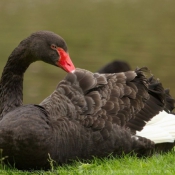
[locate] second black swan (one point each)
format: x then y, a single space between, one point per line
87 115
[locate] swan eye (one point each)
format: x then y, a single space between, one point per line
53 46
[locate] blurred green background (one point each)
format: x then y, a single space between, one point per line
141 32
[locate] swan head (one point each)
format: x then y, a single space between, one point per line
50 48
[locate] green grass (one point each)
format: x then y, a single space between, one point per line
158 164
137 31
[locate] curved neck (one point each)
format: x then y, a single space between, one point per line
11 83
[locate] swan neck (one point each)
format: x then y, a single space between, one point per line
11 83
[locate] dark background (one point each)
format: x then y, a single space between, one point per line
141 32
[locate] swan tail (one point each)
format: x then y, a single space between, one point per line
161 129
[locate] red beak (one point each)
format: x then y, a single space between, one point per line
65 62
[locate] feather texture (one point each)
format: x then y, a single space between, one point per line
149 121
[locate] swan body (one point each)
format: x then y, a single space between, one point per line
88 114
77 120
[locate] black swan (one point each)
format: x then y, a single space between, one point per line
161 128
87 115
